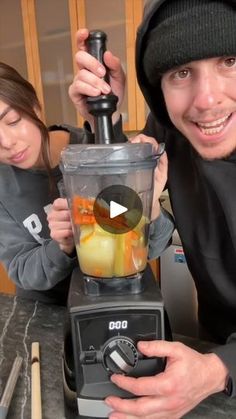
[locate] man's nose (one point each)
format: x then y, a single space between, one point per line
208 93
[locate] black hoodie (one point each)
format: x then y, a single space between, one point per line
203 199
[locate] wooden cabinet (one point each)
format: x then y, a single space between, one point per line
41 45
120 19
6 285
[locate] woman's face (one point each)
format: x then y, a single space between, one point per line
20 139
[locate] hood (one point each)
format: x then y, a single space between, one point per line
156 101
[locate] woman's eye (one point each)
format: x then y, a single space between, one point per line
12 117
14 122
230 61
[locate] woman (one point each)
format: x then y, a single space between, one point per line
39 264
29 173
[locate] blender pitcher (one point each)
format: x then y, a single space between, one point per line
95 176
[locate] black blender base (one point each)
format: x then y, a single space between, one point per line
70 400
91 320
69 413
70 405
70 396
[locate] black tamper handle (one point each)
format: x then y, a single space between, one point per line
96 44
101 107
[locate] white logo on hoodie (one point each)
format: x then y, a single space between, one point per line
34 225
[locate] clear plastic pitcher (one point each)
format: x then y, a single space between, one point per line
87 171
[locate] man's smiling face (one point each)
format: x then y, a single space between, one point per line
200 99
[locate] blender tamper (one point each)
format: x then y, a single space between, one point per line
101 107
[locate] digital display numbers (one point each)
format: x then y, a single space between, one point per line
97 329
118 325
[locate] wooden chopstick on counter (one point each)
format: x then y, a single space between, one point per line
10 386
36 403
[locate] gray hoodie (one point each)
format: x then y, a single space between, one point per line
33 261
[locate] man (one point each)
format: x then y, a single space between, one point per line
186 68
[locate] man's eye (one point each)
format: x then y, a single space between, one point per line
182 74
230 62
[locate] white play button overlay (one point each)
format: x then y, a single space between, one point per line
116 209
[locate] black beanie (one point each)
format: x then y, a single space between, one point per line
188 30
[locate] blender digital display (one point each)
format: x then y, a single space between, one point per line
140 326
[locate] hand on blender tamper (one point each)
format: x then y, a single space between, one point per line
90 81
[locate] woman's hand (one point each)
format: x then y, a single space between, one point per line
160 175
89 78
60 226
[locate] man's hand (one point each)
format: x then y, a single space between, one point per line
89 78
60 226
189 377
160 177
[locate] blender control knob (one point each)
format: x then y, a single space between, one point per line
120 355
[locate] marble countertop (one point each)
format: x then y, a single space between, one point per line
23 322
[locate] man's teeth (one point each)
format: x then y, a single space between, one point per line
212 131
213 123
214 127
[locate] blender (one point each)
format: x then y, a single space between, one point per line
114 300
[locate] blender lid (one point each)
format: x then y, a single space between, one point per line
110 155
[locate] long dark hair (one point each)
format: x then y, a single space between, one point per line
20 95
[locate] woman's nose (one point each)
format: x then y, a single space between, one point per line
7 141
208 93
